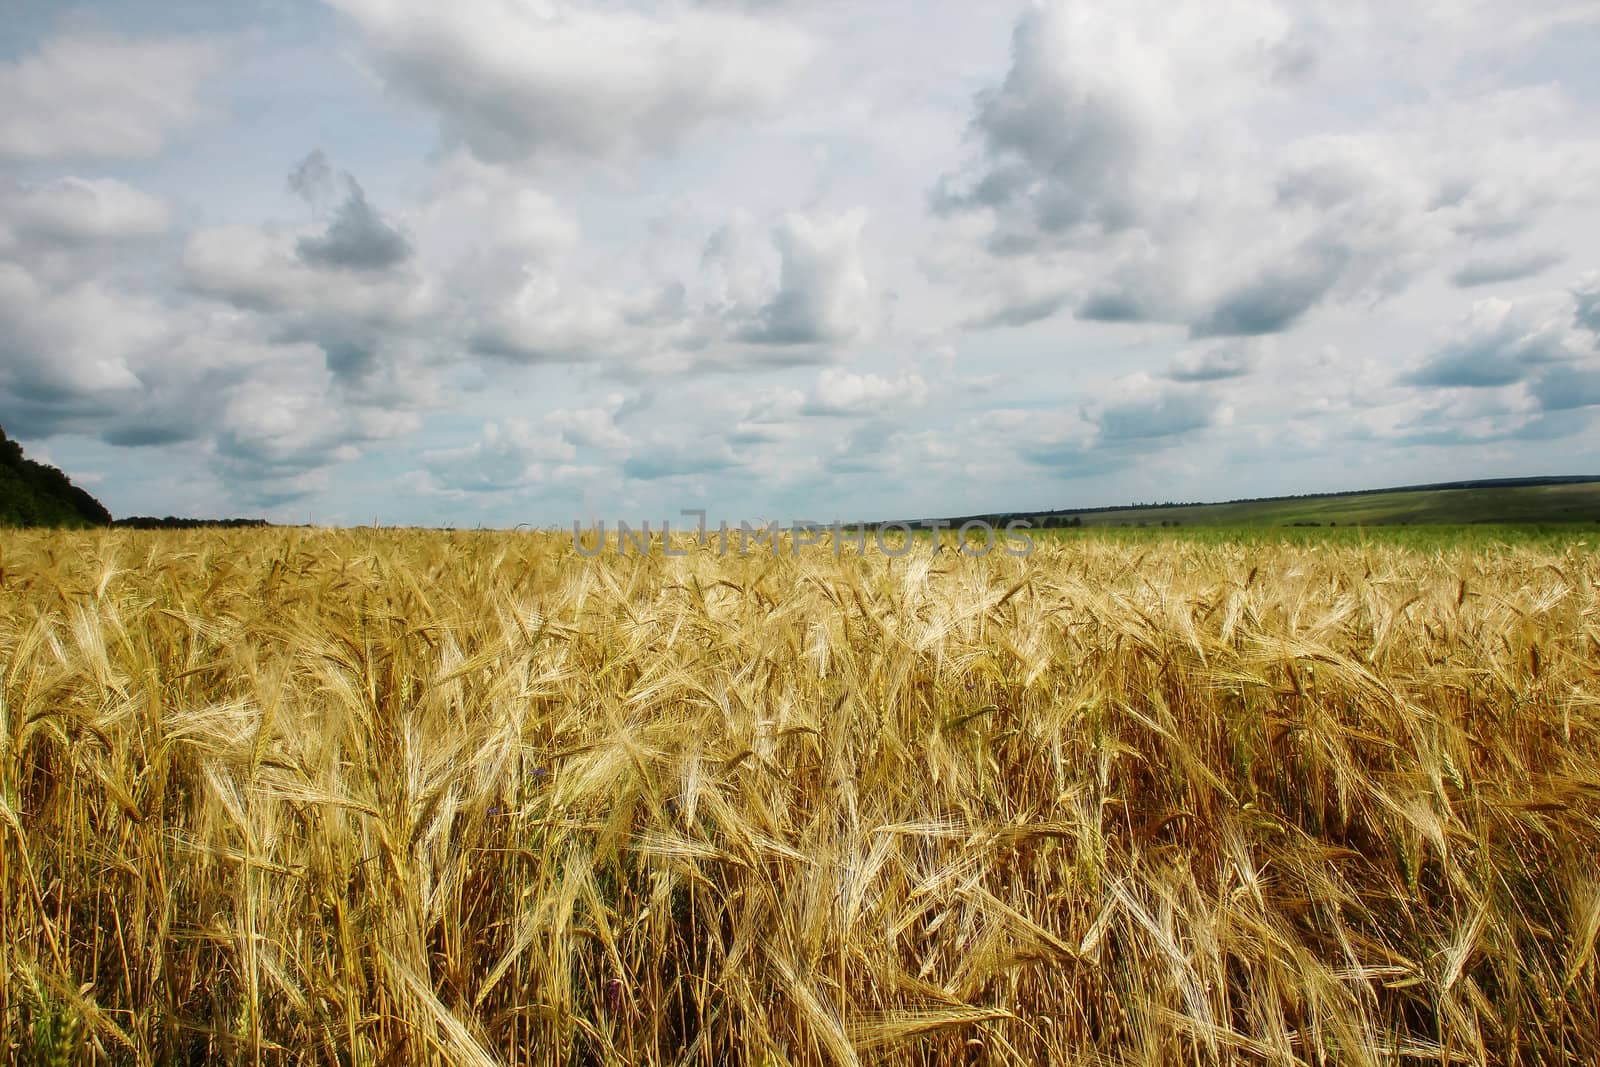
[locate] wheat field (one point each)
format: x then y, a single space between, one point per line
374 797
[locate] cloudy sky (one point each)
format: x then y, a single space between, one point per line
503 261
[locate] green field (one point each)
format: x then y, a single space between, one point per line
1551 503
1422 536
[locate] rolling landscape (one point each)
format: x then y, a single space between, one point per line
283 793
1511 501
37 495
368 796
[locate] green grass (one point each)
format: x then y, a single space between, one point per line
1420 536
1501 505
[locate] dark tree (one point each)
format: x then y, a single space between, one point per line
36 494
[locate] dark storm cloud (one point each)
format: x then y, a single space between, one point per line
1022 314
1108 305
267 472
149 416
790 319
1060 148
83 357
1276 299
1469 367
823 294
1148 417
1567 388
1440 428
1490 270
1073 459
349 361
1498 349
147 435
1587 315
502 341
1160 413
1293 59
1552 426
358 238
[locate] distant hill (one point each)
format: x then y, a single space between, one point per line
34 494
1489 500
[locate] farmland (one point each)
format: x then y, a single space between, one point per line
1512 502
364 797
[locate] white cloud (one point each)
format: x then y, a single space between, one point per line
379 333
256 269
1587 295
546 321
1507 266
515 81
823 296
740 268
773 257
1499 343
591 428
71 210
84 96
1140 408
474 204
668 457
839 392
103 361
1140 171
287 422
357 236
769 416
1215 361
1132 418
509 454
71 345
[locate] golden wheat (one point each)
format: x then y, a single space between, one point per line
401 797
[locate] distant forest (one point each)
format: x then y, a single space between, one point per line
172 522
37 494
